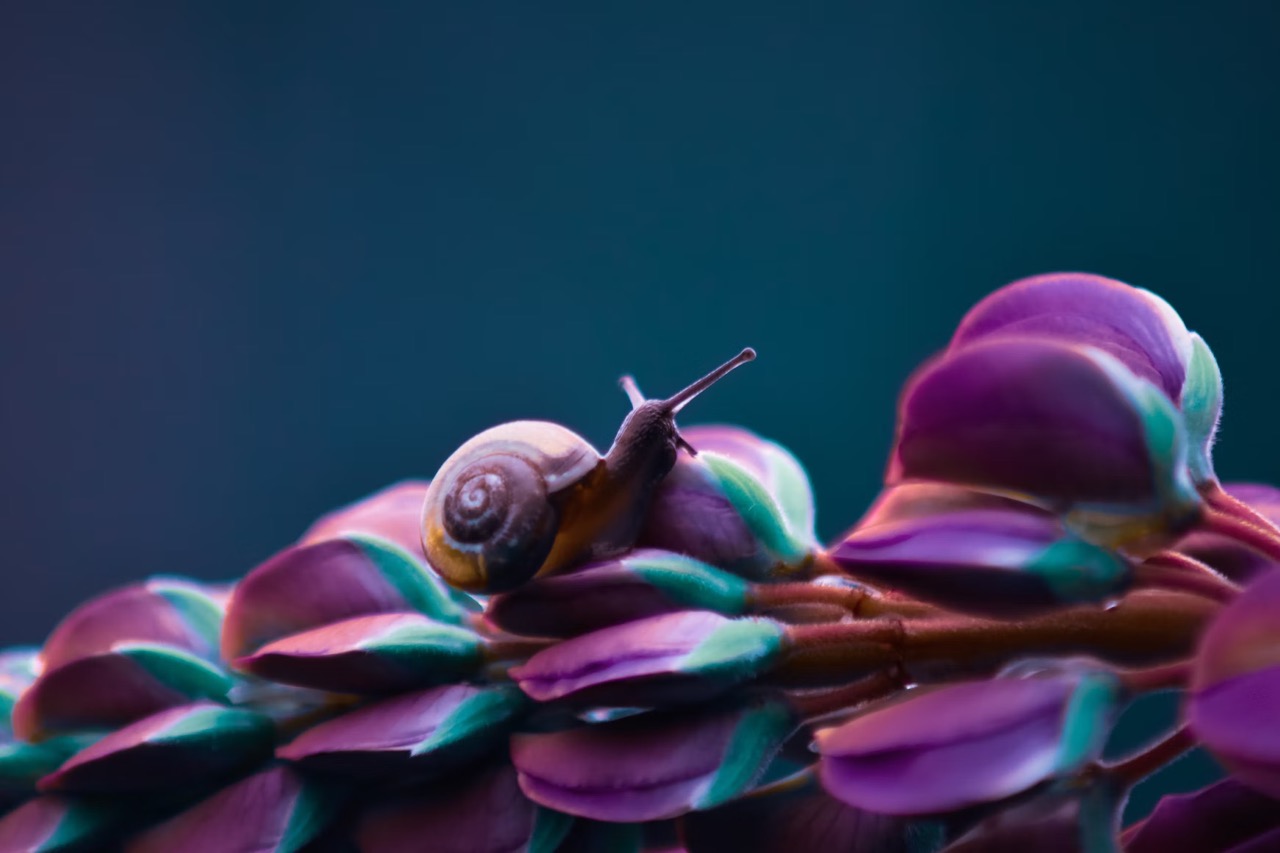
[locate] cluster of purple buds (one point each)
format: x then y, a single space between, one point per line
548 648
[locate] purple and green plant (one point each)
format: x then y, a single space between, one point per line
547 647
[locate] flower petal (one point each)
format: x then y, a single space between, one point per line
416 734
182 746
652 766
56 824
677 657
167 611
943 749
1068 427
383 653
642 583
115 688
743 504
998 562
1133 325
273 811
308 586
1235 686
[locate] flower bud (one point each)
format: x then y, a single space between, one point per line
189 745
309 586
1008 561
652 766
742 504
946 748
641 583
674 658
1133 325
1235 686
1067 427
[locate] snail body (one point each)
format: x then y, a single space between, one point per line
531 497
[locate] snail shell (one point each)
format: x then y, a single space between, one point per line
492 514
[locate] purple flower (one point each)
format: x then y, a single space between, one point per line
181 746
383 653
642 583
124 655
946 748
309 586
678 657
1132 325
52 823
1007 561
743 504
273 811
1235 698
412 735
652 766
1064 426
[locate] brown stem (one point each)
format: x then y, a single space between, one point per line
859 601
1167 677
1220 499
1232 527
1145 627
1133 769
819 703
1163 572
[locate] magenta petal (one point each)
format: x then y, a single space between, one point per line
427 732
1236 721
677 657
181 746
597 596
270 812
162 611
947 748
97 692
1244 636
1235 687
393 513
652 766
1025 417
693 512
482 813
383 653
1133 325
308 586
915 500
990 561
1223 816
52 823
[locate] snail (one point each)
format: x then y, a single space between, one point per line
530 497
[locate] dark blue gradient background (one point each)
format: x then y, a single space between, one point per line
257 259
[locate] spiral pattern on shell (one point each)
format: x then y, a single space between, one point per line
497 520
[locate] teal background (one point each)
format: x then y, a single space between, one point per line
257 259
